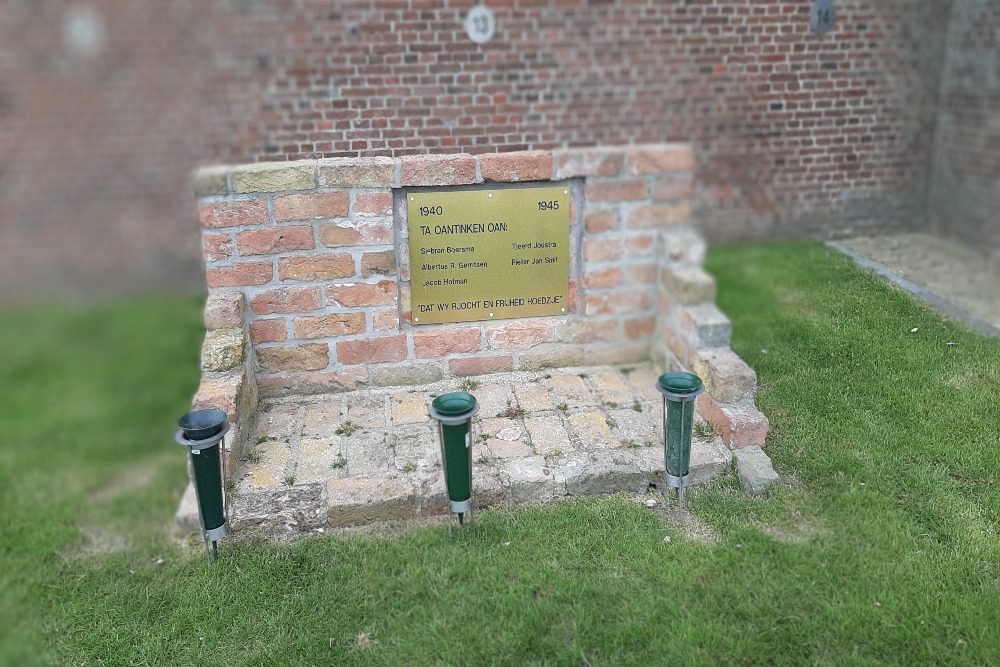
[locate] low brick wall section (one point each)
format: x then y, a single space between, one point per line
319 251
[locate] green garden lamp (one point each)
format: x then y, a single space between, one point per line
679 392
454 413
202 432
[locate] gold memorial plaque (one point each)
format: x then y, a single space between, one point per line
488 254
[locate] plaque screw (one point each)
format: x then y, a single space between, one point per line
416 319
491 195
413 199
563 309
491 314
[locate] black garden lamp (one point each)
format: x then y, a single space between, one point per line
202 432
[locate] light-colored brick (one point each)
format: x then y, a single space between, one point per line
286 300
274 177
602 220
480 365
373 204
304 384
640 327
313 206
299 358
591 331
519 334
209 181
268 331
660 159
376 172
628 189
274 240
669 188
222 392
418 170
606 277
240 274
617 301
316 267
549 355
659 215
326 326
688 284
380 263
357 295
385 320
516 166
356 233
727 377
372 350
401 375
233 213
428 344
682 245
606 248
588 162
224 310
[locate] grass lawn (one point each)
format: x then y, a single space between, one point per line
882 547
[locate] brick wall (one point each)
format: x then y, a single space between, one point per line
794 134
965 187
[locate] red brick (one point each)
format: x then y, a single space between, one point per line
437 170
572 295
638 245
476 366
673 187
629 189
372 350
659 215
360 295
373 204
233 213
274 240
640 327
355 233
661 159
602 249
427 344
241 274
740 424
327 326
518 335
608 277
311 206
385 320
299 358
216 247
316 267
515 167
617 302
590 331
596 222
220 392
588 162
382 263
224 310
287 300
268 331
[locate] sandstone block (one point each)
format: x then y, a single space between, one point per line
682 245
224 310
316 267
626 353
707 326
516 166
606 472
287 300
375 172
313 206
688 284
233 213
327 326
404 375
292 359
222 350
755 470
274 177
274 240
727 377
532 480
222 392
305 384
550 355
356 501
210 181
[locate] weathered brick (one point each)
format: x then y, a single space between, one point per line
439 343
613 355
287 300
233 213
607 277
224 310
355 501
240 274
313 206
682 245
727 377
640 327
740 424
304 384
373 204
326 326
274 177
516 166
372 350
704 325
208 181
274 240
316 267
518 335
221 392
617 301
640 273
385 320
381 263
398 375
357 295
588 162
604 220
222 350
659 215
639 245
377 172
216 247
550 355
356 233
628 189
673 187
476 366
602 249
268 331
437 170
289 359
688 284
591 330
660 159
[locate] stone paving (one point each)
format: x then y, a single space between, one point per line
322 462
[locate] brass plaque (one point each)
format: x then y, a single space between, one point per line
488 254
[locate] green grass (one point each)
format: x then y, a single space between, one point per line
881 548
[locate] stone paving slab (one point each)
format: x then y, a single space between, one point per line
320 462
